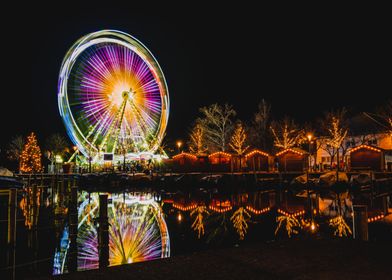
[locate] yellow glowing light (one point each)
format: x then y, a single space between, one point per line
59 159
256 152
185 155
116 96
309 136
289 150
179 144
179 217
312 226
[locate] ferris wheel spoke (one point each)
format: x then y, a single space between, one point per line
118 128
148 86
116 123
147 119
139 118
98 69
103 123
141 72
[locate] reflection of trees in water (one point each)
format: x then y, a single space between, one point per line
198 224
239 219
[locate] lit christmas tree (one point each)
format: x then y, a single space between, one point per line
30 160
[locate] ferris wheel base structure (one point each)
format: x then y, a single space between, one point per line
101 159
113 98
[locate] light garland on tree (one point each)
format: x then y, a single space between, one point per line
30 159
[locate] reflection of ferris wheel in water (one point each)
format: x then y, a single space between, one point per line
137 232
113 96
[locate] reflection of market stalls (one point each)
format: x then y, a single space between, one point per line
257 160
292 159
366 157
220 162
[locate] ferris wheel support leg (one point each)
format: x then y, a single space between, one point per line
72 157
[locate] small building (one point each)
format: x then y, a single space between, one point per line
220 162
366 157
184 162
257 160
293 160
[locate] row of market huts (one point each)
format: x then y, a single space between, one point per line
363 157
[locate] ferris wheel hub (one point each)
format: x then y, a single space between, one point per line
125 94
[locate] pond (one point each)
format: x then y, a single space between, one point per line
150 224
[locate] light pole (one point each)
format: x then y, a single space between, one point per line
179 144
309 136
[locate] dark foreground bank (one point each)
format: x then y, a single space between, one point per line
290 259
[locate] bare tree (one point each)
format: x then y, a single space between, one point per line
259 131
196 140
238 141
15 148
286 133
387 115
336 131
217 123
56 144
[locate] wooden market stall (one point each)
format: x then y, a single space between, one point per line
292 160
257 160
366 157
184 162
220 162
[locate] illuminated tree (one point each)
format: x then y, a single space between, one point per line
238 140
336 131
217 123
15 149
30 160
286 134
239 219
196 143
56 145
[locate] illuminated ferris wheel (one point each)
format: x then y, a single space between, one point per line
113 96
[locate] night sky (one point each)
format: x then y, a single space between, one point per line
302 65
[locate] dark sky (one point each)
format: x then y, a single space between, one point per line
302 65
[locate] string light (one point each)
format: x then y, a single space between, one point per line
256 152
289 150
220 209
219 154
184 208
188 155
295 214
257 211
30 159
376 218
363 146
